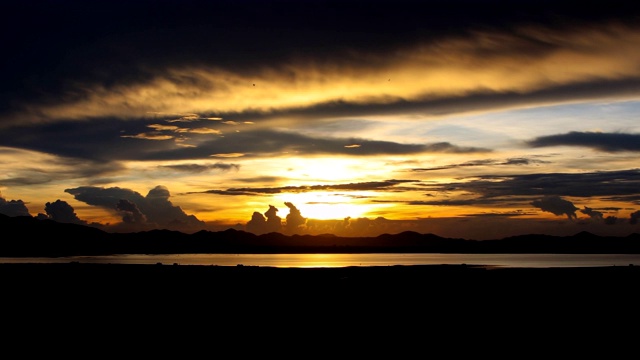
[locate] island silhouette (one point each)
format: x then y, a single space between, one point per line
37 237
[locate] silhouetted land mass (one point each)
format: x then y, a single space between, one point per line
33 237
449 299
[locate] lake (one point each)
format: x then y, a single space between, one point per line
343 260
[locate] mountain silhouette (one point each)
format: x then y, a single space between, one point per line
35 237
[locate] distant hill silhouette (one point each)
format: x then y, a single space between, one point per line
28 236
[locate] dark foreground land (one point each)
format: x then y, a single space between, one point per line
380 307
256 284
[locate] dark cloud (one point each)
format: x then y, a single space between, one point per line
59 168
294 221
99 41
369 185
274 222
102 142
61 211
199 168
131 213
105 197
13 207
587 184
607 142
235 192
257 224
505 214
271 222
262 224
263 143
34 178
633 198
484 162
470 201
260 179
557 206
155 207
594 214
447 202
634 217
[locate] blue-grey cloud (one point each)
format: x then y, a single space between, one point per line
607 142
102 143
275 143
98 141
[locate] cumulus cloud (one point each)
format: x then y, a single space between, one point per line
257 223
354 226
294 220
13 207
269 222
155 207
594 214
131 213
557 206
274 222
634 217
61 211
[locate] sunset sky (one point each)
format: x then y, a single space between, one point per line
474 119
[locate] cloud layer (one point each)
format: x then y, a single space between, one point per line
381 116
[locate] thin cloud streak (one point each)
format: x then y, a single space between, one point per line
590 184
366 186
606 142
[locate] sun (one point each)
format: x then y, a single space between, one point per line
325 205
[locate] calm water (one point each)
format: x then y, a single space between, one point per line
342 260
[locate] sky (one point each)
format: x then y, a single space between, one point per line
466 119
